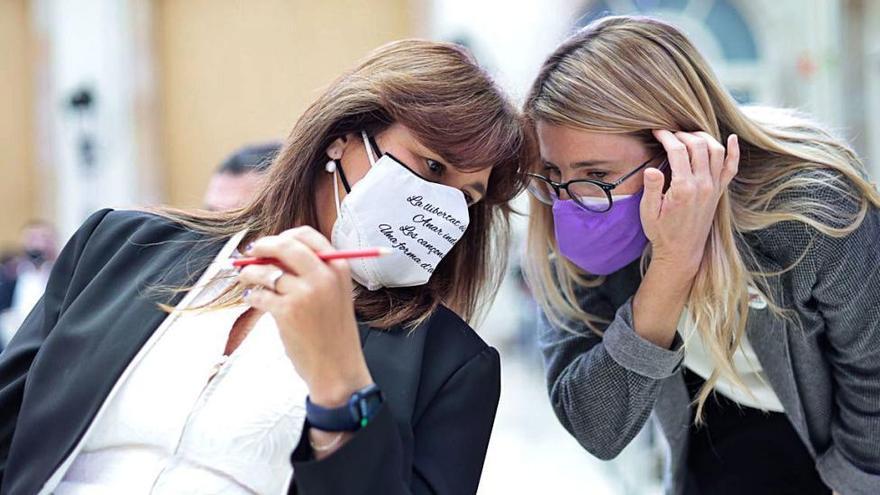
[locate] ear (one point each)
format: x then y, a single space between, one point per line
336 148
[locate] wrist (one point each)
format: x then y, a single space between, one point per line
675 271
335 391
356 413
659 301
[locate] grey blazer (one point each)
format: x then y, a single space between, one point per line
826 370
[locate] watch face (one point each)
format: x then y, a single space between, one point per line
365 404
373 401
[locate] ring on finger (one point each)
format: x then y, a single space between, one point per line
273 279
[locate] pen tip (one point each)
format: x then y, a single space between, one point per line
384 251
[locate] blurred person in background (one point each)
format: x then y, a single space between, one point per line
238 178
8 262
23 278
731 289
303 376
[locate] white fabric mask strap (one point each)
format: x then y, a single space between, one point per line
370 155
336 191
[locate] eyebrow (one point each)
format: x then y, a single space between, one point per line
581 164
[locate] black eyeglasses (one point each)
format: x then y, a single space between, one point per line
589 194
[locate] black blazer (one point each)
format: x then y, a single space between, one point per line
441 381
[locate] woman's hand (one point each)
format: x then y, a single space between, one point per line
677 222
312 305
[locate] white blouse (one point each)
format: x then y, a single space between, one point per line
749 369
188 420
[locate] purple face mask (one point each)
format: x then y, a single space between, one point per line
600 243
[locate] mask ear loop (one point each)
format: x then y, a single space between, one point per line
336 190
333 166
369 147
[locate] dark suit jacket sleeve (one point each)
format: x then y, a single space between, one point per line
17 357
451 438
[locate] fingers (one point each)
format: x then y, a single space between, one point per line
264 300
698 152
717 155
731 162
317 242
341 267
710 164
652 198
310 237
265 276
294 255
676 154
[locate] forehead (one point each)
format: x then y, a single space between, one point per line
398 134
563 145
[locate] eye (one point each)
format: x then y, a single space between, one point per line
435 167
597 175
552 173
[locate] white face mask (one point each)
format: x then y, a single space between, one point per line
393 207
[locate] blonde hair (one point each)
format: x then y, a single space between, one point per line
628 75
453 107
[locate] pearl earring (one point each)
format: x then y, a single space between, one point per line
330 167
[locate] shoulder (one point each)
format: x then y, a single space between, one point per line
450 347
449 338
109 231
130 240
456 359
829 209
457 364
442 356
125 225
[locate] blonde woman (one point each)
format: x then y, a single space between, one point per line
302 376
731 289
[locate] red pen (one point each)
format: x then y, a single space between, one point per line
325 256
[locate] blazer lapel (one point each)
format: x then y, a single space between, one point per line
769 337
93 342
391 357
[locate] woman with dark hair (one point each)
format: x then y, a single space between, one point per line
151 366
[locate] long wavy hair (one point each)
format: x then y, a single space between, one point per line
628 75
453 107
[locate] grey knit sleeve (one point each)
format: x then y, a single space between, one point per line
834 285
603 388
846 291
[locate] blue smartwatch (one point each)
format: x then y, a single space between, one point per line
362 406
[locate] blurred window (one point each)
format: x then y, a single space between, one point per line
717 27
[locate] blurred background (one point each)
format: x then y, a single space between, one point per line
121 103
